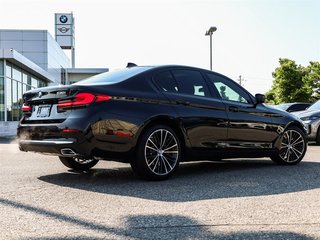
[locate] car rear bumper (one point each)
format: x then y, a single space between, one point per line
46 142
84 134
51 140
50 146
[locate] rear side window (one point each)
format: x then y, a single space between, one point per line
166 82
191 82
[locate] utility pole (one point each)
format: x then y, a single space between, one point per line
240 80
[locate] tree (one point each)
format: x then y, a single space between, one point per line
312 79
290 83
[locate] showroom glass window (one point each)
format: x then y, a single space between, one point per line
17 83
228 90
2 91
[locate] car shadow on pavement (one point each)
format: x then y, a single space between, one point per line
8 140
153 227
198 180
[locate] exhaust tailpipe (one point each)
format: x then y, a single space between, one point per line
68 152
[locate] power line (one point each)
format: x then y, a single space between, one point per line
259 78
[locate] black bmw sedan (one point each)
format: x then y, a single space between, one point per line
154 117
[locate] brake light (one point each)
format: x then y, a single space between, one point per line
26 108
81 100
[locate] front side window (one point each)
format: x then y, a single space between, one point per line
191 82
228 90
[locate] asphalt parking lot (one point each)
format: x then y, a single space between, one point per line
234 199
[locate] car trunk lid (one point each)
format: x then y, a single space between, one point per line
41 105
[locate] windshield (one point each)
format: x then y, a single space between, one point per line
113 77
282 106
315 106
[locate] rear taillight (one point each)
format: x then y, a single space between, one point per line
81 100
26 108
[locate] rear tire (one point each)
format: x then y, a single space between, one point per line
78 164
293 147
158 153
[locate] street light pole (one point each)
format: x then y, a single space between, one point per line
209 33
211 52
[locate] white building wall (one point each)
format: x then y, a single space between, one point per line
57 59
29 43
39 47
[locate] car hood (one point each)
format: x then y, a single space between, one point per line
280 112
306 113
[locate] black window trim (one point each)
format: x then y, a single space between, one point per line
212 90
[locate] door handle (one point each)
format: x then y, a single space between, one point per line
233 109
182 102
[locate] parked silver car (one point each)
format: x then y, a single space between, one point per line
293 107
311 118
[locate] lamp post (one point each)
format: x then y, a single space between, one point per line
209 33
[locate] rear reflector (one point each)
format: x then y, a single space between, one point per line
81 100
123 134
26 108
101 98
70 130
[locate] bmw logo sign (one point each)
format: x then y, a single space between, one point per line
63 19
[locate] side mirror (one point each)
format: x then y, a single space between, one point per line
260 98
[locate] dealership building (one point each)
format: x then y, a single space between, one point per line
31 59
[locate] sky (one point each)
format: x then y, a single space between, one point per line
251 35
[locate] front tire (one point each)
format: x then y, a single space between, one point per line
293 147
78 163
158 153
318 137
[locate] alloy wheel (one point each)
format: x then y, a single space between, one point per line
83 160
292 146
161 152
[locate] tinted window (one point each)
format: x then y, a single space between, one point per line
113 77
166 82
191 82
228 90
294 108
298 107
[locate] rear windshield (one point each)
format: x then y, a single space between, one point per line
113 77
